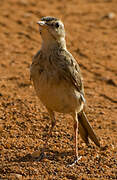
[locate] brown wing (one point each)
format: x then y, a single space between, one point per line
70 70
35 63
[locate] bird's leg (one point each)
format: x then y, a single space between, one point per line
76 138
53 122
37 154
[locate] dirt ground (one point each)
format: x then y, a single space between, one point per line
91 34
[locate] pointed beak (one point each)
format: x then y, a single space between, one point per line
41 23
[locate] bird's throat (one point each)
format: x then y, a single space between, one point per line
53 44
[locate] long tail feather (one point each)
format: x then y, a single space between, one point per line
83 133
86 129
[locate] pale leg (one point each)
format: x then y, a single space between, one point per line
38 154
53 122
75 138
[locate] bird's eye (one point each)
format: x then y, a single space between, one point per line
57 25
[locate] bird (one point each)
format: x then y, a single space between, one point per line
58 81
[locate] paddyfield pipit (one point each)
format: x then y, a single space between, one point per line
58 81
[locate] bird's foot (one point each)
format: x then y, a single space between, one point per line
75 161
38 155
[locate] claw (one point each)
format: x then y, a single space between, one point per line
75 162
37 155
42 155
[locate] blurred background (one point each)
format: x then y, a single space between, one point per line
91 35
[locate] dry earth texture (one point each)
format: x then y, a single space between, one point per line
91 34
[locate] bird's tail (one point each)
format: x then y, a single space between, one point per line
86 130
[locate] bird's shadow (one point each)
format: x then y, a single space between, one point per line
48 154
52 155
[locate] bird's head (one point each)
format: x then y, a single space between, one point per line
51 30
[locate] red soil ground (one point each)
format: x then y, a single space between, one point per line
91 34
